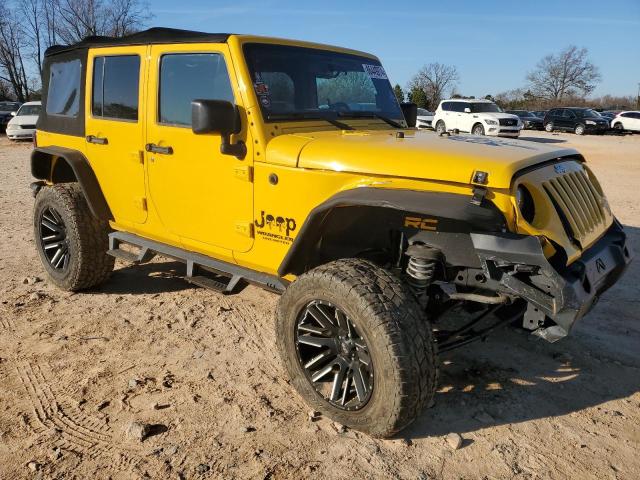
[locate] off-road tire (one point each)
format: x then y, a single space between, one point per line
399 337
440 127
478 129
86 236
549 127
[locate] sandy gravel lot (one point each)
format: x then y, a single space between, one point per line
76 369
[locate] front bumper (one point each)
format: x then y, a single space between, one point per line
20 133
563 295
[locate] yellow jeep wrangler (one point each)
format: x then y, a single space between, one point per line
291 165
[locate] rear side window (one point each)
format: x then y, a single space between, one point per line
63 97
446 106
115 87
187 77
459 106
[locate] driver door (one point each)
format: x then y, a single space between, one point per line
200 195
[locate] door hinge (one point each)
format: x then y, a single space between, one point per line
141 203
244 172
137 156
245 229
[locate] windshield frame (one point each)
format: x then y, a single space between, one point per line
317 113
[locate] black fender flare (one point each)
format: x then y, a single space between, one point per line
45 166
442 219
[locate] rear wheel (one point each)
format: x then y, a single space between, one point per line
580 129
441 127
357 347
549 127
72 243
478 129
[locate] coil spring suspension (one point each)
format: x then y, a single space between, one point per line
421 269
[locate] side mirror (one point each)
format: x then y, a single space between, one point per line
410 112
13 114
221 117
467 110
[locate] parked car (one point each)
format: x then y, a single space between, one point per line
528 119
480 117
608 116
5 112
540 113
146 143
23 123
424 118
626 121
575 119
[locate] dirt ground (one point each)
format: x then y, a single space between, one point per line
202 368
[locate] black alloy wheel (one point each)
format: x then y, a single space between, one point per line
53 239
334 355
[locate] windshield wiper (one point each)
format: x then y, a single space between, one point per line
357 114
309 116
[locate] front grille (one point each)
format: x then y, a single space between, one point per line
508 122
579 205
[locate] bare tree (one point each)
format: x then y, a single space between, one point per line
12 63
435 79
31 11
568 73
77 19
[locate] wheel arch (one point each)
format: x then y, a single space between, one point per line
64 165
368 219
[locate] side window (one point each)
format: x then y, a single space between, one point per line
63 96
460 106
446 106
185 77
569 114
115 87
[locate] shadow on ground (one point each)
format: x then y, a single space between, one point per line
543 139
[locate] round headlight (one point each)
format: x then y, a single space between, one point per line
524 200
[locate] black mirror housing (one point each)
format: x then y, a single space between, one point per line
410 112
214 116
221 117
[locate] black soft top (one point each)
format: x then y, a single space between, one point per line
154 35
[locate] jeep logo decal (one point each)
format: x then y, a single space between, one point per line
287 225
421 223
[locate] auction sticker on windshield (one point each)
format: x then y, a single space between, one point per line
375 71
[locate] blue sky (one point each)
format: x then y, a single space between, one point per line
492 43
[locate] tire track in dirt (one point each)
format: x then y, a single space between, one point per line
77 431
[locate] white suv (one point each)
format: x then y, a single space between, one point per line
479 117
627 121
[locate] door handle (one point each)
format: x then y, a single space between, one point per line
153 148
97 140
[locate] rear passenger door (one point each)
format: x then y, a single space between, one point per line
115 128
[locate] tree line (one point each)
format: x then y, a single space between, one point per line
29 27
564 78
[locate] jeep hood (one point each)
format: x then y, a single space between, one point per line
419 155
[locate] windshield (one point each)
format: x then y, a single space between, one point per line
484 107
296 82
587 113
29 110
424 113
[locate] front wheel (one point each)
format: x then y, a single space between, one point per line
357 347
440 127
478 129
549 127
579 129
618 127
